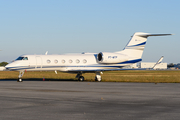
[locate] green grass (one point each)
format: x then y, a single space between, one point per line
166 76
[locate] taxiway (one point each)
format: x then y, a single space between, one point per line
61 100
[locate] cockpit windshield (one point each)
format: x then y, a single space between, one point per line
22 58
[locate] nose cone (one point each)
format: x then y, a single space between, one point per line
7 67
10 66
15 66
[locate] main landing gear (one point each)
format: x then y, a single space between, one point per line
21 73
80 77
97 77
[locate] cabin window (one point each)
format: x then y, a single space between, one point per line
48 61
25 58
55 61
77 61
84 61
70 61
19 58
63 61
22 58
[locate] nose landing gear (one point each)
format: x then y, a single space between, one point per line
21 73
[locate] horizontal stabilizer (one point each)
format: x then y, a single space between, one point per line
147 35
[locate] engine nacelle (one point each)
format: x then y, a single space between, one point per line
111 58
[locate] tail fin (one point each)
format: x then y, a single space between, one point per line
135 47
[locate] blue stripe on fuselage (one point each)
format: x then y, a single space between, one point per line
95 66
131 61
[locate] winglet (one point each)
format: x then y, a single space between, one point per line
46 53
158 62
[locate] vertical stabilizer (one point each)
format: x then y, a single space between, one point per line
135 47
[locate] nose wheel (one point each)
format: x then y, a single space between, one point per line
21 73
19 80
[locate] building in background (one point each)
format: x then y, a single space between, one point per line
160 66
131 66
2 68
151 64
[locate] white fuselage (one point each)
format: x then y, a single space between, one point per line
67 62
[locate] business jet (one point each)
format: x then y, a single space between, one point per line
84 62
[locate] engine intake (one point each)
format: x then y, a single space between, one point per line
100 57
111 58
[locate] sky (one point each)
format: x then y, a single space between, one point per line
76 26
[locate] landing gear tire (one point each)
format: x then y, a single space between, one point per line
21 73
98 79
81 78
19 80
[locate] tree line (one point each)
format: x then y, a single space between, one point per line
3 63
173 65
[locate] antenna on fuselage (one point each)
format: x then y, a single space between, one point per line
46 53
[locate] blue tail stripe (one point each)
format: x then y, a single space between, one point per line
138 44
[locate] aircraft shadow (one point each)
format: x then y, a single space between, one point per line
40 79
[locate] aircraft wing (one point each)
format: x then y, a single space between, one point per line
118 69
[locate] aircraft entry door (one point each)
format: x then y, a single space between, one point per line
38 62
